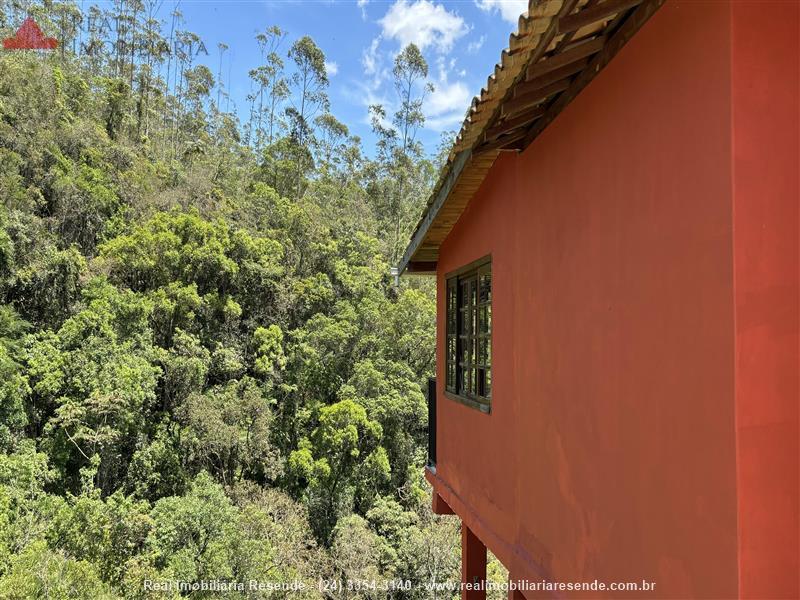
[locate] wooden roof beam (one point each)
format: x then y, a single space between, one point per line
541 48
567 37
508 125
551 77
510 142
618 39
596 13
421 267
567 57
531 99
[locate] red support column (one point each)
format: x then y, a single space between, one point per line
515 595
473 565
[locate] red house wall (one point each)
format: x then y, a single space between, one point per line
623 415
766 193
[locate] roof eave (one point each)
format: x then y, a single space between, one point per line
551 58
440 195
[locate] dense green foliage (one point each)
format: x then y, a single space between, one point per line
206 370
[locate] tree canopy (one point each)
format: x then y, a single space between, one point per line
206 369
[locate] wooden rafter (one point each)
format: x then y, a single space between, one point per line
566 57
421 266
627 28
557 74
533 97
595 13
544 43
567 38
508 125
505 142
551 83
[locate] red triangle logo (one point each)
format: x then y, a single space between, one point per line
29 37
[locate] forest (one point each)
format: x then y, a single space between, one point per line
207 371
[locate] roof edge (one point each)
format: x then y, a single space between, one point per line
559 47
440 195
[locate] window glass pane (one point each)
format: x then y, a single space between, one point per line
486 286
484 319
468 327
481 390
483 351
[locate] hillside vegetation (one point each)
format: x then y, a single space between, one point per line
206 369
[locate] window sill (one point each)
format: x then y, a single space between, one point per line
481 406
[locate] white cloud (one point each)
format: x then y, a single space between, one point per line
510 10
422 23
476 45
362 4
447 105
331 68
370 88
369 57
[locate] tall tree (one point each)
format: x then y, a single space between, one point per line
221 47
398 148
310 81
410 70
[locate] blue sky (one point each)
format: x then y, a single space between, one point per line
461 41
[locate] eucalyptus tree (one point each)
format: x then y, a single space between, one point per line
155 49
410 70
188 46
67 18
119 16
333 135
221 48
136 8
94 47
399 152
270 80
176 19
310 81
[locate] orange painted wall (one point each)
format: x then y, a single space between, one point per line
766 193
611 450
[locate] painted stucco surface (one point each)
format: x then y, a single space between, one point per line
766 194
625 409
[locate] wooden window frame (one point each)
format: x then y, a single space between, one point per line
464 318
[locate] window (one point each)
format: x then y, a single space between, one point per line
468 369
